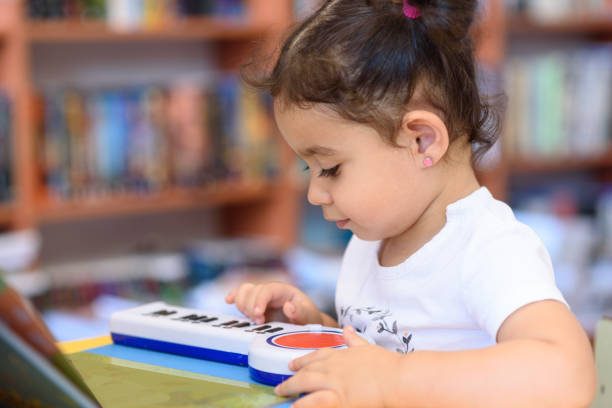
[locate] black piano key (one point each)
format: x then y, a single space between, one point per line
226 323
239 325
162 312
200 320
260 328
274 330
191 317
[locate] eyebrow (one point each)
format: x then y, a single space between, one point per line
317 150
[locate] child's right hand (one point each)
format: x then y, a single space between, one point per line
260 302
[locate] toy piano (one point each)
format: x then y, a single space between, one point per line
266 349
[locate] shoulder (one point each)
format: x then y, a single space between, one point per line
497 233
500 248
505 266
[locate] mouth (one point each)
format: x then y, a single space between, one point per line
342 223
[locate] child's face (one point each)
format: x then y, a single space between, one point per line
361 182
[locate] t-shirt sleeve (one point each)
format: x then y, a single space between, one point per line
512 270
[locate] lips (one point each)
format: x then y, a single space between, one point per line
342 223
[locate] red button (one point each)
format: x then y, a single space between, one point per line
310 340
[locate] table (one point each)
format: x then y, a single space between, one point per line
125 377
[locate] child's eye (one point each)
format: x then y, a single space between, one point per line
332 172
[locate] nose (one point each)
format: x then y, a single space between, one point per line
317 194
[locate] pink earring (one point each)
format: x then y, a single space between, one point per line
427 162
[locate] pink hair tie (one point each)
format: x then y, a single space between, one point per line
411 11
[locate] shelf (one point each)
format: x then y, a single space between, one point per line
52 210
84 31
6 214
580 25
561 164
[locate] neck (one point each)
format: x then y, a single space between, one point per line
397 249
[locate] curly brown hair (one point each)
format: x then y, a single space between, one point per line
370 63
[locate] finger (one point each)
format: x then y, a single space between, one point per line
230 297
352 339
242 295
290 310
300 310
272 295
319 399
310 358
255 312
321 366
302 382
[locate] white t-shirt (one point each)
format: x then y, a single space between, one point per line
454 292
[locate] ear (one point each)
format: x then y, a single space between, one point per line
425 134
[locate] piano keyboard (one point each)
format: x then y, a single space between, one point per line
194 333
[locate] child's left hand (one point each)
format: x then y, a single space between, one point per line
351 377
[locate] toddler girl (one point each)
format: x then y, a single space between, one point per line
380 98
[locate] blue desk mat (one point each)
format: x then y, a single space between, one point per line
206 367
177 362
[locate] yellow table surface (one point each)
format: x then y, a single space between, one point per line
74 346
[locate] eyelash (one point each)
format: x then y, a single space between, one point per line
331 172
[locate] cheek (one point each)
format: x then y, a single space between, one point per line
390 200
365 201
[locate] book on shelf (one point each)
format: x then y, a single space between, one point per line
146 139
131 14
52 9
559 103
6 146
557 10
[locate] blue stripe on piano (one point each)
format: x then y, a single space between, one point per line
267 378
182 349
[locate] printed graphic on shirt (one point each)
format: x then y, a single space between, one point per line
378 324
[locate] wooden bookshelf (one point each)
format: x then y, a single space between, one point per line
591 27
580 29
585 25
518 165
175 199
6 214
257 202
192 29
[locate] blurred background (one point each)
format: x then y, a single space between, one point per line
135 166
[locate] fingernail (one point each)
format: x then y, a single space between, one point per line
257 310
277 389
